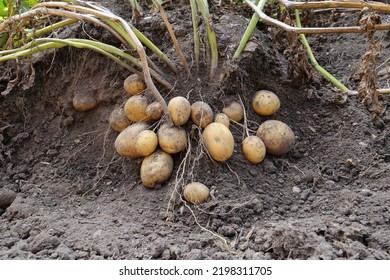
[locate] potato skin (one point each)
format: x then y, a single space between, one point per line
154 110
201 114
172 139
253 149
84 103
223 119
135 108
125 141
156 168
234 111
196 192
134 84
218 141
265 103
180 110
146 142
277 136
118 120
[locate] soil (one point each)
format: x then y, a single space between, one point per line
66 194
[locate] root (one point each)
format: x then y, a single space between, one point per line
188 166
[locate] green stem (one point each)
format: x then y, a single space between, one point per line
104 49
313 60
153 48
211 38
249 30
49 28
194 17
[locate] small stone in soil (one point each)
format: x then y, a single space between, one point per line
6 198
296 190
305 194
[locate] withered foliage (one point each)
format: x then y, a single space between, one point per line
367 89
300 70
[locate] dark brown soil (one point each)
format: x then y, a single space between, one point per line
66 194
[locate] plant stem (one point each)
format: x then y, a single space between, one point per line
194 16
249 30
313 60
211 38
312 30
175 42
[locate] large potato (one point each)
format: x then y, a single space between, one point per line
277 136
156 168
201 114
265 103
134 84
135 108
218 141
172 139
125 141
82 102
234 111
196 192
253 149
179 109
118 120
146 142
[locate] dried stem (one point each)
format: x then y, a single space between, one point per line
374 6
175 42
311 30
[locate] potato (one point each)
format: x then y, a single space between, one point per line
201 114
135 108
172 139
83 102
180 110
154 110
134 84
234 111
223 119
277 136
253 149
196 192
125 141
218 141
118 120
156 168
265 103
146 142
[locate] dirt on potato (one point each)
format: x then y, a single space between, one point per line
66 194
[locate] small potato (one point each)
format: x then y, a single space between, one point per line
154 110
135 108
125 141
84 102
156 168
180 110
196 193
172 139
253 149
146 143
234 111
134 84
218 141
223 119
265 103
277 136
201 114
118 120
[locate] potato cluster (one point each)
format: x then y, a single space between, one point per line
136 138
